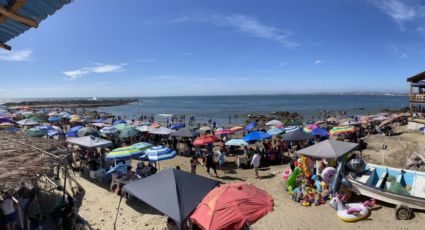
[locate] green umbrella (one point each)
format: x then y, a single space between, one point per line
37 119
123 126
36 132
88 131
129 132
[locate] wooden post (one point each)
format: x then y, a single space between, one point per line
19 18
410 101
5 46
64 183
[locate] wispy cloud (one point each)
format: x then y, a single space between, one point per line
284 63
245 24
146 60
401 11
398 52
318 61
15 56
78 73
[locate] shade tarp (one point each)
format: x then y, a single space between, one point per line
173 192
89 142
329 149
184 132
297 135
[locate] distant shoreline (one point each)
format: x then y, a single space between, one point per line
70 103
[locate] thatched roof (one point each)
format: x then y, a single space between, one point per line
24 160
417 77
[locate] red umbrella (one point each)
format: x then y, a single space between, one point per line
232 206
224 132
204 140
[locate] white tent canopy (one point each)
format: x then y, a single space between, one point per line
89 142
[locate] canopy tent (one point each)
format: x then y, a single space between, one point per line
173 192
232 206
274 123
236 142
89 142
256 136
161 131
297 135
184 132
329 149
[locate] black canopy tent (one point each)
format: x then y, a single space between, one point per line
173 192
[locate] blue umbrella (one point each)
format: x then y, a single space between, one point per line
50 130
159 153
121 168
275 131
320 132
73 132
119 122
53 119
100 120
177 126
255 136
250 126
5 119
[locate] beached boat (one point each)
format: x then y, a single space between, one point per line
403 188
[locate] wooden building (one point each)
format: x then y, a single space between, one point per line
417 100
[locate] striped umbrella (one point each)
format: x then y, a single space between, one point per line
340 130
126 152
142 145
310 128
291 129
159 153
110 130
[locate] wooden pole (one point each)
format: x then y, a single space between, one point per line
64 183
12 6
19 18
5 46
118 211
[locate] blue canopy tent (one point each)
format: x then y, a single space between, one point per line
256 136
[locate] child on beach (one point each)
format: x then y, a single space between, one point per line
256 163
193 163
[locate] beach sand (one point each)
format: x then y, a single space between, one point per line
99 205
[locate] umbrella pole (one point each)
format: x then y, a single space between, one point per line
118 210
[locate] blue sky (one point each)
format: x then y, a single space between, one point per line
198 47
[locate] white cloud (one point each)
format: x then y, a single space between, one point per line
398 52
15 56
283 63
147 60
74 74
245 24
401 11
318 61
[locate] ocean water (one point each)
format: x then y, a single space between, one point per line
219 108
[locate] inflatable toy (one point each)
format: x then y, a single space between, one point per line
292 179
328 174
351 212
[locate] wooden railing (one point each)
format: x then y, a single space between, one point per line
417 97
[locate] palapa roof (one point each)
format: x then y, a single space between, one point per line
417 77
18 16
24 160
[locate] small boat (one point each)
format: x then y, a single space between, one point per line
403 188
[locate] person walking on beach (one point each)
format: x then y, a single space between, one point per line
193 164
255 162
210 163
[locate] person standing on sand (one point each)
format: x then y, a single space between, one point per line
210 163
193 164
255 162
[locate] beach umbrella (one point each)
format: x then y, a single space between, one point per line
5 119
53 114
250 126
51 130
173 192
275 131
27 122
236 142
310 128
100 125
123 153
161 131
100 120
329 149
36 132
177 126
232 206
75 118
159 153
332 119
142 145
340 130
320 132
6 125
144 128
380 118
155 124
236 128
122 126
274 123
36 119
73 132
349 122
110 130
53 119
224 132
88 131
289 129
297 135
205 128
293 123
27 114
204 140
256 136
119 122
184 132
129 132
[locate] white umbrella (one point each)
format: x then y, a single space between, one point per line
27 122
161 131
274 123
144 128
205 128
110 130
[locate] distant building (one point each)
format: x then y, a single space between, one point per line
417 101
